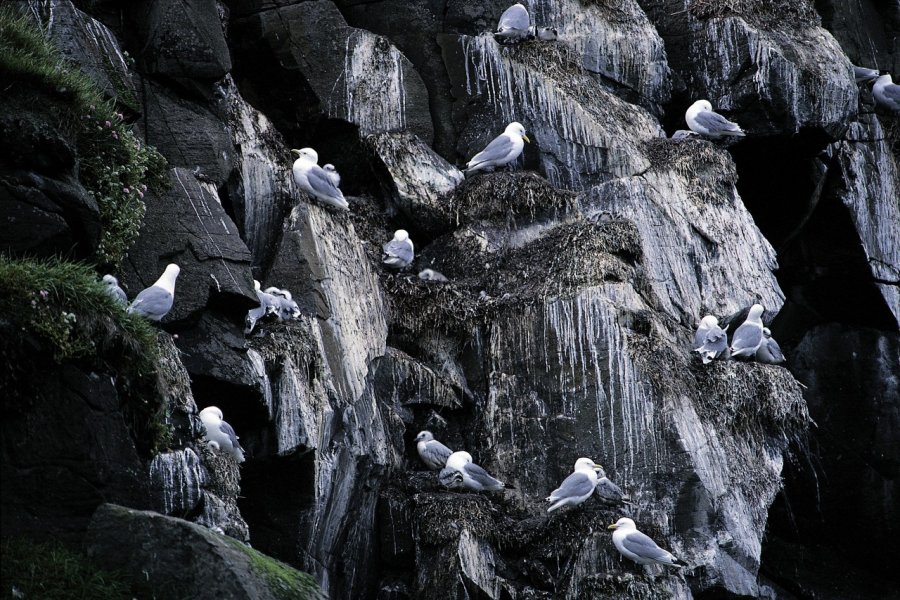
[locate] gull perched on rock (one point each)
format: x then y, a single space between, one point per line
769 351
399 252
113 289
287 306
514 26
711 341
502 150
608 491
268 305
433 453
333 175
633 544
701 119
462 472
316 181
577 487
432 276
887 93
749 335
156 301
219 434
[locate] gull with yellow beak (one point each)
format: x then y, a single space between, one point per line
504 149
577 487
633 544
316 181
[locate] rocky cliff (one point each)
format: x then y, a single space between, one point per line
576 283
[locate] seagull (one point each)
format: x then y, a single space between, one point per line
333 175
887 93
711 341
701 119
432 276
514 26
577 487
219 434
684 134
769 351
504 149
287 307
749 335
113 289
433 453
156 301
608 491
633 544
473 477
316 181
864 75
268 305
399 252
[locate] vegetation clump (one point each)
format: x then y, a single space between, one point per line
51 571
113 164
285 581
766 13
60 309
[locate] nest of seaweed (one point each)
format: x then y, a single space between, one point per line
710 169
224 479
769 14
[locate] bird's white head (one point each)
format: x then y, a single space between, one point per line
167 279
329 167
586 464
756 312
285 294
767 333
701 106
709 322
257 285
401 235
458 460
424 436
307 155
516 128
110 280
884 78
623 523
211 412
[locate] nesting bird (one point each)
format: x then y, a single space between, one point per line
515 26
433 453
887 93
749 335
156 301
502 150
702 119
462 472
399 252
219 434
432 276
609 492
316 181
287 306
864 75
710 341
333 175
577 487
268 305
113 289
769 351
633 544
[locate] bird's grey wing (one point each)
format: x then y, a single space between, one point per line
153 301
643 546
498 149
775 350
399 249
892 92
715 122
481 476
228 430
608 490
321 183
515 17
716 341
437 452
747 336
450 478
574 486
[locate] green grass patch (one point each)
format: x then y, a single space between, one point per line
60 311
51 571
285 581
114 165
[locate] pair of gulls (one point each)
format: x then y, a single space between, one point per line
458 470
219 434
750 341
884 90
272 301
152 303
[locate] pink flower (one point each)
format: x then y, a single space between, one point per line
107 124
140 193
126 191
144 187
44 294
115 135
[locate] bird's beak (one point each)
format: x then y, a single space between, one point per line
613 526
294 151
597 467
525 137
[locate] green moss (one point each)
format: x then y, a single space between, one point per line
114 166
285 581
60 309
50 571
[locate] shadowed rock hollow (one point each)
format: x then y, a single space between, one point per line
576 280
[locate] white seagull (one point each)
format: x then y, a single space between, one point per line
749 335
113 289
710 341
219 434
633 544
316 181
461 470
887 93
433 453
399 252
701 119
333 175
769 351
504 149
608 491
577 487
514 26
156 301
432 276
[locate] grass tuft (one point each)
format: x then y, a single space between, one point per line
286 582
